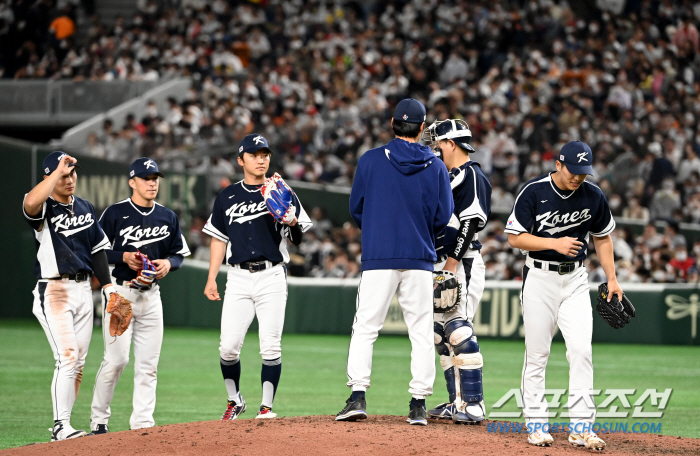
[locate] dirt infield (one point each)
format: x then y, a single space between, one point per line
320 435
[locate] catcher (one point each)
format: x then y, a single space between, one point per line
248 226
147 244
460 274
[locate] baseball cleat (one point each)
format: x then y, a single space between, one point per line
588 439
62 430
417 416
539 438
233 410
265 413
444 411
97 429
353 411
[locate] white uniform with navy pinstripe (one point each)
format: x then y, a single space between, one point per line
555 289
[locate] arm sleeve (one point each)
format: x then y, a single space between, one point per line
295 234
522 217
446 204
357 195
216 225
466 232
34 220
101 268
175 261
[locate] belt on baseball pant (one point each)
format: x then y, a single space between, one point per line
563 268
79 277
255 266
125 283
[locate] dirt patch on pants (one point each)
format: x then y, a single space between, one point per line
321 435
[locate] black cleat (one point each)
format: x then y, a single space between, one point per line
353 411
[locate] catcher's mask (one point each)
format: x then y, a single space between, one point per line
455 129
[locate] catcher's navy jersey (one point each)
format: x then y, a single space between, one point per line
240 218
471 191
544 210
154 231
65 240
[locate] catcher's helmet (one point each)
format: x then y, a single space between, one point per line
455 129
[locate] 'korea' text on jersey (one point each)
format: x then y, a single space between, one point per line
240 218
154 231
544 210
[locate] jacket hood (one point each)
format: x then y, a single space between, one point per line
409 158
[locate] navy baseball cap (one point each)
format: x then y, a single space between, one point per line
253 143
144 167
410 110
52 160
577 157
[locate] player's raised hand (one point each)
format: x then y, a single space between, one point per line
568 246
211 292
64 167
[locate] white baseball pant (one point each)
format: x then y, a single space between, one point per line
248 294
550 299
146 331
414 289
64 309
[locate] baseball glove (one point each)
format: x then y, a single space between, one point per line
447 291
278 199
617 313
120 308
146 274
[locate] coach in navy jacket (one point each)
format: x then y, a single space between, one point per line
401 198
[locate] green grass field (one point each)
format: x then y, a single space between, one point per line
190 387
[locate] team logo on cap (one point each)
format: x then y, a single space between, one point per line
240 149
149 164
131 173
405 116
61 157
561 158
582 156
46 170
259 140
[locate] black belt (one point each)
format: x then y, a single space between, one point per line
256 266
121 283
79 277
561 268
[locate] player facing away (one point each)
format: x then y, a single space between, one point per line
400 199
254 246
70 249
459 252
552 218
137 224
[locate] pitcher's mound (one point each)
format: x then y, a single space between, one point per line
321 435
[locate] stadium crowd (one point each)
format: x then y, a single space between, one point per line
320 78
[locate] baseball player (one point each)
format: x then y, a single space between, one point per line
70 249
253 244
552 218
137 224
400 198
459 253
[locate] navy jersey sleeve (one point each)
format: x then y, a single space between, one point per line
178 245
303 218
473 200
216 225
357 195
446 205
603 222
98 238
108 223
523 215
34 221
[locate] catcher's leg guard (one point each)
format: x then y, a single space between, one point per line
443 350
469 361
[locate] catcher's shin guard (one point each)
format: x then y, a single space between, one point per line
440 340
451 382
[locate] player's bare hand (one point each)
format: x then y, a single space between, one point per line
614 289
132 260
64 167
162 268
210 291
568 246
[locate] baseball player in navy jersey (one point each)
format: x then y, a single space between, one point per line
459 252
552 218
254 246
400 199
137 224
70 249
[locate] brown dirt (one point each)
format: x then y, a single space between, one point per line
320 435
